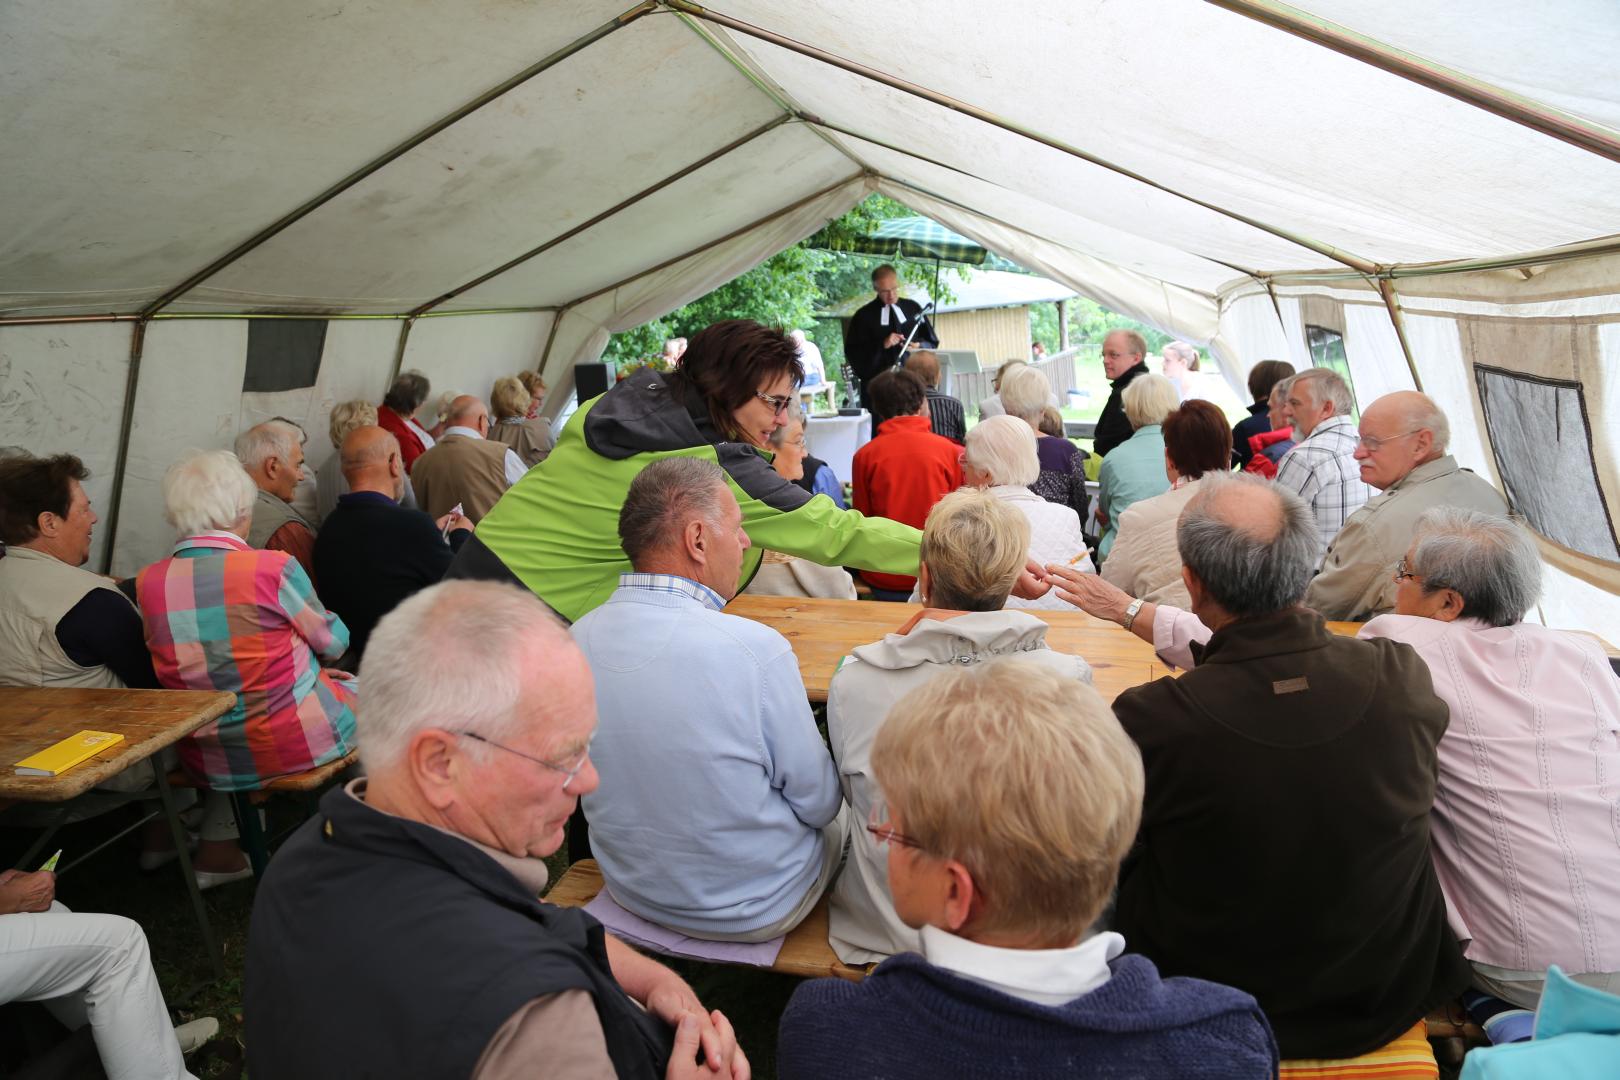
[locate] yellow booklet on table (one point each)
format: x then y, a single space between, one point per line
58 759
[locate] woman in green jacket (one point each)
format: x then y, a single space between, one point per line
556 530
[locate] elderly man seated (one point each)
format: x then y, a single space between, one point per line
273 455
465 467
973 548
399 932
1005 796
1284 846
1524 828
373 552
1402 453
719 809
1321 467
945 413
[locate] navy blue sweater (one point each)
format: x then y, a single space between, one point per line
913 1019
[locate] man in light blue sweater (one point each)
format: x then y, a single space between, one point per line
718 814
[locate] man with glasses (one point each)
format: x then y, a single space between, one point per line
878 329
1401 451
719 812
1321 468
400 931
1124 360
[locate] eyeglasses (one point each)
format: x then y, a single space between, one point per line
877 823
778 404
569 770
1372 443
1404 572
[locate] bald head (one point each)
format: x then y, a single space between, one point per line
1399 432
371 462
1247 546
468 411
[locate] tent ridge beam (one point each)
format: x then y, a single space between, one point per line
1355 262
1454 84
766 220
310 206
776 93
625 204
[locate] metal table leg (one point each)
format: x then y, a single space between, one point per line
183 860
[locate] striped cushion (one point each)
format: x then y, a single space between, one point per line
1407 1058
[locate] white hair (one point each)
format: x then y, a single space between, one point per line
460 656
207 490
1003 447
1149 399
1432 419
1025 392
442 403
1324 385
261 442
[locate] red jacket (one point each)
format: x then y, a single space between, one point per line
410 443
1263 462
900 475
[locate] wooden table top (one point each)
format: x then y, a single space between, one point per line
32 719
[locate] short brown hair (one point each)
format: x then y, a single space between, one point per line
896 392
1023 776
725 364
924 363
409 390
1197 439
31 486
885 271
1266 374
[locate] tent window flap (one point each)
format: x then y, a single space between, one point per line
1541 437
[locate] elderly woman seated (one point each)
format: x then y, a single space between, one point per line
529 436
1144 560
781 574
973 547
1134 470
1025 393
1523 818
221 615
1002 798
1000 456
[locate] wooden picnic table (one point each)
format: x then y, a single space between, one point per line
32 719
823 632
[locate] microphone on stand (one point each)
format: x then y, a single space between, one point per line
917 324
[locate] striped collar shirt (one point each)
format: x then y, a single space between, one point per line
1323 471
678 586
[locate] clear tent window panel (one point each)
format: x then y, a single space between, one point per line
1327 351
1541 437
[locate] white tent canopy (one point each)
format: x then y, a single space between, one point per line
473 188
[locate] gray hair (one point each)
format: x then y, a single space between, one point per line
1005 448
1245 571
1490 561
1432 418
459 656
1025 392
207 490
409 390
794 415
1279 392
261 442
1149 399
662 498
1325 384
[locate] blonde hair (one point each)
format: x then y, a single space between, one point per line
509 398
348 415
533 383
975 545
1003 447
1025 778
1024 393
1149 399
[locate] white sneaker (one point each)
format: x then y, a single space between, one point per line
194 1034
207 879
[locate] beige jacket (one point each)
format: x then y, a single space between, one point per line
462 470
1145 560
36 591
870 680
1357 580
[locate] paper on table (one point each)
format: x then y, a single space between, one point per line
638 931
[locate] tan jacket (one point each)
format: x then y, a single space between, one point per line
1357 580
462 470
36 590
531 440
1145 560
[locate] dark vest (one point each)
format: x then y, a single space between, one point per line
381 947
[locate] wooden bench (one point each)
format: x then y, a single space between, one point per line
805 953
304 785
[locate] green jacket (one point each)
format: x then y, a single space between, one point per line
557 529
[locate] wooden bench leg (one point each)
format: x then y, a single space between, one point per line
250 832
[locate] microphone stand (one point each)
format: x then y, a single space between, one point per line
905 346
